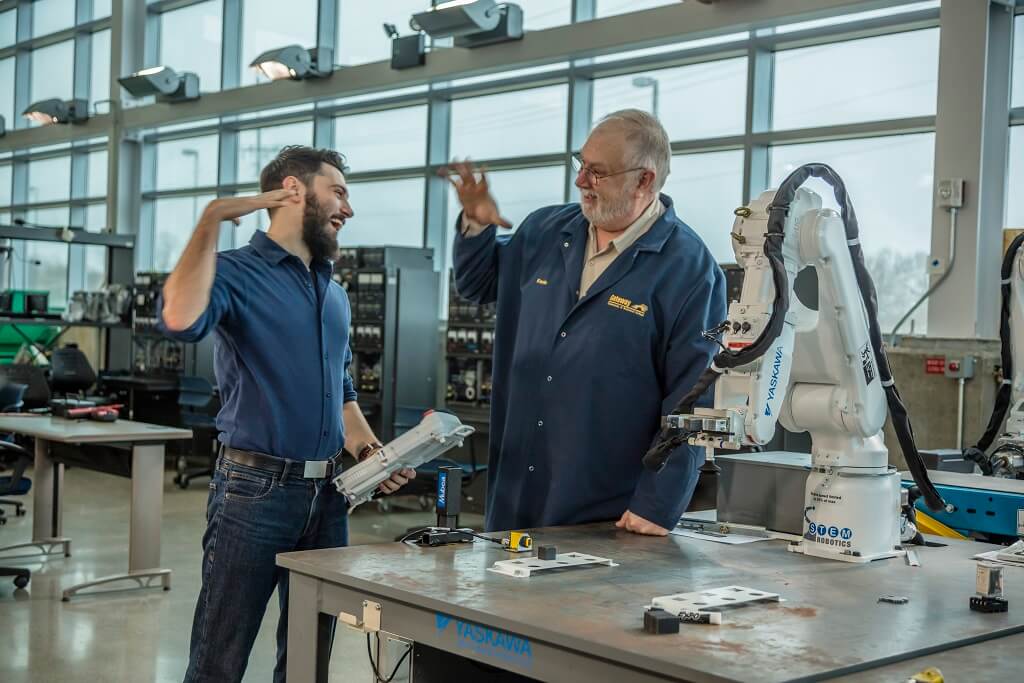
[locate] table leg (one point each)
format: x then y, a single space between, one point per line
308 641
144 526
146 507
47 517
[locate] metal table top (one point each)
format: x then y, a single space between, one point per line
993 660
829 624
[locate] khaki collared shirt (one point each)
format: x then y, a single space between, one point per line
596 262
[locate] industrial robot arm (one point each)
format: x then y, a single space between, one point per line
1007 459
819 374
822 371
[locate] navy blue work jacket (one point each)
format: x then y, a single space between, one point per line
580 385
281 351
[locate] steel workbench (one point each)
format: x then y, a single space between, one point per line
585 624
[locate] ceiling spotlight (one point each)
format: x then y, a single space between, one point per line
164 82
406 51
58 111
472 23
295 62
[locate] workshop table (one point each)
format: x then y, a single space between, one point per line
994 661
586 624
147 476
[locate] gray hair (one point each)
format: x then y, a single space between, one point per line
648 139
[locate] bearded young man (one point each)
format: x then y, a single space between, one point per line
600 309
288 404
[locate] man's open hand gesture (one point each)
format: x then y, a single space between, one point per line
474 194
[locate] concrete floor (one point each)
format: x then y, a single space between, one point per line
139 635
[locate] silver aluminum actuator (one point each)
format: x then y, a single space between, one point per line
436 434
710 428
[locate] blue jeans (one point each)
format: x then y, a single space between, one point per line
251 516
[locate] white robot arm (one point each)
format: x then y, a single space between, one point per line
1007 459
1015 424
821 371
820 374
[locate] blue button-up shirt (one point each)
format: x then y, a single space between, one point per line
281 351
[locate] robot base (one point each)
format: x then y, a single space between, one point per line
851 514
813 549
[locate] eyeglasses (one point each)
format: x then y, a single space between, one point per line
593 176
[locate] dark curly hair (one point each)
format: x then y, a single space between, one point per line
300 161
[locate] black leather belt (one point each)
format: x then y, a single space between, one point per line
308 469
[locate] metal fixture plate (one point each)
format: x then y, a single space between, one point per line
522 569
370 623
714 600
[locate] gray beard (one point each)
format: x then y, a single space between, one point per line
608 212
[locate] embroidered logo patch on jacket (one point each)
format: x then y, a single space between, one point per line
621 302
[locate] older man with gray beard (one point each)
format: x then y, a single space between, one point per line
600 309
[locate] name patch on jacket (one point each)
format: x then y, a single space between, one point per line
621 302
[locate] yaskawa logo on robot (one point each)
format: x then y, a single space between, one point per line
774 382
829 535
487 642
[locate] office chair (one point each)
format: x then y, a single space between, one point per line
195 394
11 401
16 459
70 371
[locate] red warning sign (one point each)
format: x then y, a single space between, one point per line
935 366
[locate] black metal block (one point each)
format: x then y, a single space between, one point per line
659 621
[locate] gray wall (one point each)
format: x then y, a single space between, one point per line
931 400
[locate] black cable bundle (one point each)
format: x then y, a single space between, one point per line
995 422
378 676
657 456
668 441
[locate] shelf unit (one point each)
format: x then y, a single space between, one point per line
393 292
120 266
152 352
58 322
468 345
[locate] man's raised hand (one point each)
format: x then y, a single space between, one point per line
474 193
234 208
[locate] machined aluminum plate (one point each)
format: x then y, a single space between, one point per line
522 569
714 600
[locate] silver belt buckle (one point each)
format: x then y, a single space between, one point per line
315 469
